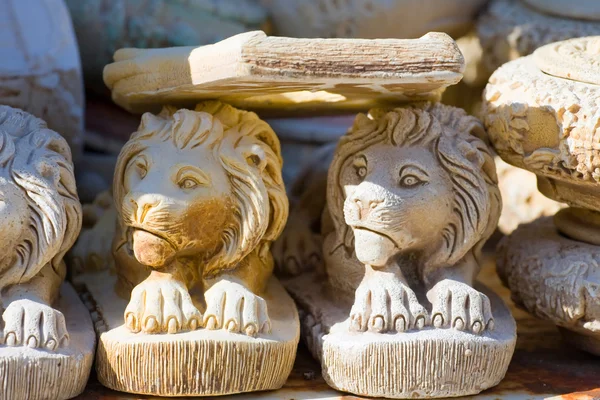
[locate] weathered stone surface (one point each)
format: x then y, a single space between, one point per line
547 125
193 363
554 278
509 29
38 374
285 75
104 26
47 341
40 70
425 364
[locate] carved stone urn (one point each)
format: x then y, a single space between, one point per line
541 112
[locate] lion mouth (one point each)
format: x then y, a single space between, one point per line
159 235
364 228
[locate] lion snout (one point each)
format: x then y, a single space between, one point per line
141 205
363 204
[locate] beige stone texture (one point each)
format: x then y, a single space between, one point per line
522 202
285 75
199 199
37 374
104 26
542 115
412 196
547 125
400 365
47 336
192 363
510 29
555 278
40 70
372 19
575 59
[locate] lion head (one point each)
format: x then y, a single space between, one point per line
413 180
39 208
204 184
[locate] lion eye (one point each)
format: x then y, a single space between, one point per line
410 180
188 183
361 171
142 169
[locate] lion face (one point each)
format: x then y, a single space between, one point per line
204 184
175 204
397 199
416 180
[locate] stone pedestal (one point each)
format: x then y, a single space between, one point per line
196 363
427 363
36 374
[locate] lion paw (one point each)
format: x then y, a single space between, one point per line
161 305
385 304
458 305
232 306
32 324
297 249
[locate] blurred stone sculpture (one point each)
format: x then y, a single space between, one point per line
412 196
372 18
40 70
510 29
155 23
541 115
199 198
45 325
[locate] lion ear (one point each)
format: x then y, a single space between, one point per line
255 156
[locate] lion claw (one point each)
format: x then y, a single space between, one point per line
161 306
378 297
458 305
33 324
231 306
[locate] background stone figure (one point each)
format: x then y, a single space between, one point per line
40 219
542 116
104 26
40 70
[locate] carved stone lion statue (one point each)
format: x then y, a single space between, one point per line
200 198
41 218
412 196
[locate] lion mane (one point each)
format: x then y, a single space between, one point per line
456 140
38 161
258 194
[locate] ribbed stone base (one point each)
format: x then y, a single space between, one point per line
427 363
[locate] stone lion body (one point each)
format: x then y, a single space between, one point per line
200 199
411 198
41 218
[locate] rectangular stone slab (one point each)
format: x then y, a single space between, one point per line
283 76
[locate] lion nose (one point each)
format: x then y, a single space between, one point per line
366 206
142 206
